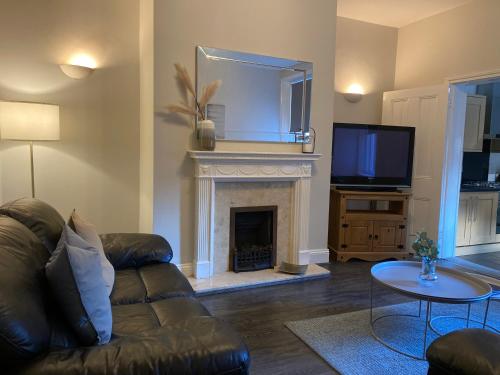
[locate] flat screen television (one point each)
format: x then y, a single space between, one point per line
372 155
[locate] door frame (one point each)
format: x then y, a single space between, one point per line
452 166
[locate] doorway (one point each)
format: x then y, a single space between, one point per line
478 216
439 114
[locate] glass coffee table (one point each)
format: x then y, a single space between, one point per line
452 286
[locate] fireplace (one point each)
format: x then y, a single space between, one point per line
253 238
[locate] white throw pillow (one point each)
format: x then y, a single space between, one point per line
88 232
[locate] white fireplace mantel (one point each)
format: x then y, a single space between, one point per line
229 166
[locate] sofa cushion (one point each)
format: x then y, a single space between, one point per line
149 283
466 352
75 276
88 232
41 218
196 345
141 317
24 326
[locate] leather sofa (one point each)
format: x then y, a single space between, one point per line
470 351
158 325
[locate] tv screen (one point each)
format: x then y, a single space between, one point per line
372 155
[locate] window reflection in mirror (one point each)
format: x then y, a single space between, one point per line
262 98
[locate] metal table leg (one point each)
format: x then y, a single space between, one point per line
427 316
486 312
382 341
371 299
468 315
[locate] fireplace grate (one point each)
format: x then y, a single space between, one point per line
252 240
253 258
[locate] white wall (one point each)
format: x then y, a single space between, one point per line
146 157
461 41
365 54
94 167
285 28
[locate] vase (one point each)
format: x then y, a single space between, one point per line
428 272
206 135
309 142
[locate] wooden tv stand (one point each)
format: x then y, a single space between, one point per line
368 225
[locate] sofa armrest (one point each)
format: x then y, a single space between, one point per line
125 250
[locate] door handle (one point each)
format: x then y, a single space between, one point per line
369 236
376 236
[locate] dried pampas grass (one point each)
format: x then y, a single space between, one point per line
174 108
184 77
207 93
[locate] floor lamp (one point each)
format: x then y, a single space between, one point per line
29 122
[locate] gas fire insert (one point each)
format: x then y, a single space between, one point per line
253 236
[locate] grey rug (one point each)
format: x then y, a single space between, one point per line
345 341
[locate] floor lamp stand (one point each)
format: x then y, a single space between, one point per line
32 171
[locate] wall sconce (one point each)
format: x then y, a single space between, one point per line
354 93
79 66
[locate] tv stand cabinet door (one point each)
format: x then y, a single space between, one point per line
358 236
389 236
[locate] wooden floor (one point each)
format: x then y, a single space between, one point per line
259 314
491 260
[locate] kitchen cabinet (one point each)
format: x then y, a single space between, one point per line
474 123
477 218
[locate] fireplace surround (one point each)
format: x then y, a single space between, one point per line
214 167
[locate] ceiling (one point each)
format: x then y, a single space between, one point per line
394 13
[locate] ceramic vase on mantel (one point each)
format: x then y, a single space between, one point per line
206 135
428 272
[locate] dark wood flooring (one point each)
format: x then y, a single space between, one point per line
491 260
259 315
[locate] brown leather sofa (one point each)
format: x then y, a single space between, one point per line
158 325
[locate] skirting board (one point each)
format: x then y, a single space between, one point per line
477 249
186 269
313 256
318 255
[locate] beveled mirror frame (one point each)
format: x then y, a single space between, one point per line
306 71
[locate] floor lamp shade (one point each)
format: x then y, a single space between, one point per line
29 121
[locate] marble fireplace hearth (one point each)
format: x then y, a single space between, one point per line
244 179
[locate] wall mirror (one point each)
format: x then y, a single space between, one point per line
262 98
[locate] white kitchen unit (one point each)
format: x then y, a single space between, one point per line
477 218
474 123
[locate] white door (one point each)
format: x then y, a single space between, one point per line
474 123
484 218
426 109
464 219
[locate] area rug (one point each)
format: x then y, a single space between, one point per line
345 341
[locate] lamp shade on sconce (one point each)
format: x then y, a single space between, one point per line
76 71
354 93
29 121
79 66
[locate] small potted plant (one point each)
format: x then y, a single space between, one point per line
428 252
205 131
